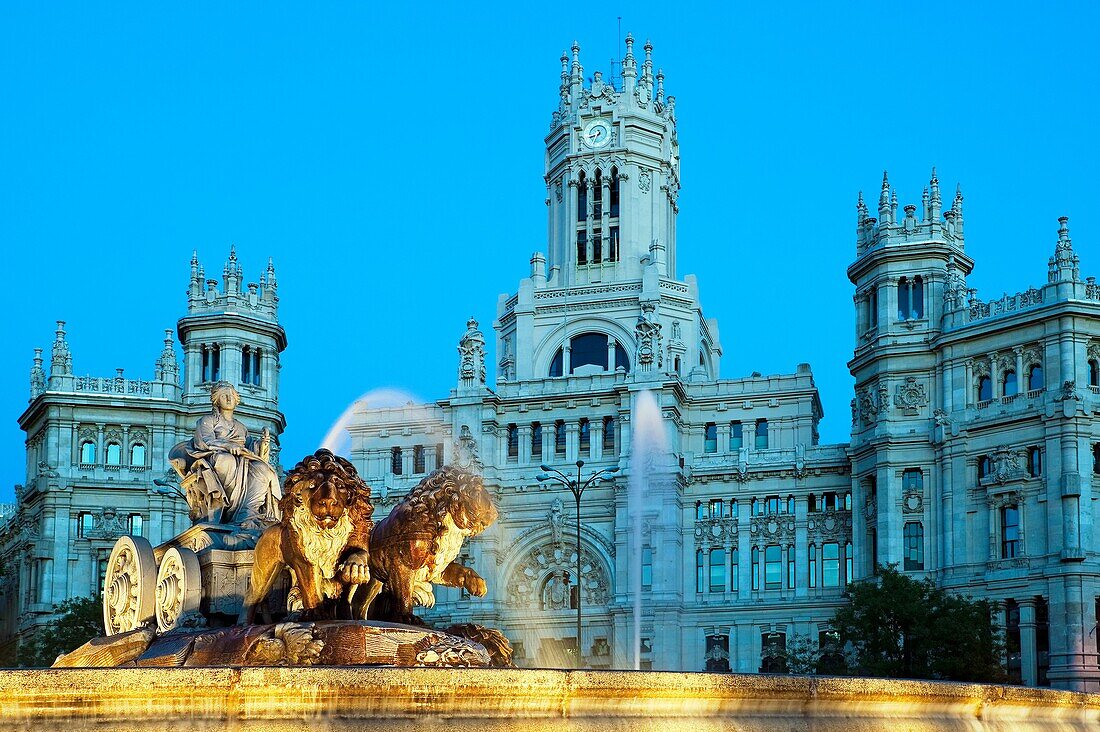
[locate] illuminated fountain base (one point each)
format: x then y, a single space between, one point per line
498 699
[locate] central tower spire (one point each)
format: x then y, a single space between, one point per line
612 170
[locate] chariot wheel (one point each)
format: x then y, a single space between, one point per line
129 585
179 588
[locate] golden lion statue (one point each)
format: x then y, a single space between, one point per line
323 537
416 545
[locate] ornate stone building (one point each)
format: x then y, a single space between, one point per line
746 523
976 432
97 447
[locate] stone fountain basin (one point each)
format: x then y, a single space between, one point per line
345 698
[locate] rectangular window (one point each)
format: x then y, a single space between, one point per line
848 562
585 437
256 356
439 455
773 567
513 442
1010 532
812 577
762 434
419 465
536 440
84 524
1034 462
755 558
395 461
733 569
771 505
582 247
773 656
714 508
597 246
912 480
710 438
830 565
137 524
700 511
647 567
700 571
613 252
914 546
872 540
717 654
609 435
790 567
559 439
717 570
737 436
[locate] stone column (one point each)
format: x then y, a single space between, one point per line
723 437
566 358
610 354
1021 378
1029 668
995 376
971 395
595 428
572 441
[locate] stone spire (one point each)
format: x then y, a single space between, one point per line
1064 265
167 368
231 273
630 66
936 203
38 375
884 201
61 360
576 76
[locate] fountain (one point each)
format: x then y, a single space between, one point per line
341 649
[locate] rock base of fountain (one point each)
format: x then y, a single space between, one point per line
487 700
322 643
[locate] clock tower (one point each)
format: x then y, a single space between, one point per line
612 170
604 296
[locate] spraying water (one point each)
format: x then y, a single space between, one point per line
648 447
337 439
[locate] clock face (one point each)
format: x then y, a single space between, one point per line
597 133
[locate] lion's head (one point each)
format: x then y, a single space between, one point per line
329 487
457 492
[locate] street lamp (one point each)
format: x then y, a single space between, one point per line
577 488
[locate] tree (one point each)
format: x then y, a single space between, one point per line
899 627
79 620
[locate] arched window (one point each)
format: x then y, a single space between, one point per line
813 566
1034 462
1094 372
87 453
556 364
985 389
137 455
582 198
114 453
1035 378
621 359
395 461
1008 383
597 197
903 298
762 434
700 570
585 437
609 435
914 546
614 203
717 570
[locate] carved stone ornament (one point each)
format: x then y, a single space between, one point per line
648 335
910 396
539 580
471 351
912 502
716 531
645 181
772 528
128 600
872 400
1008 465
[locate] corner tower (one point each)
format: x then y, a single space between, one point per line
612 173
233 334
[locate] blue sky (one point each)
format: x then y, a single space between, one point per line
391 161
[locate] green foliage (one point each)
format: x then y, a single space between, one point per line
79 620
899 627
